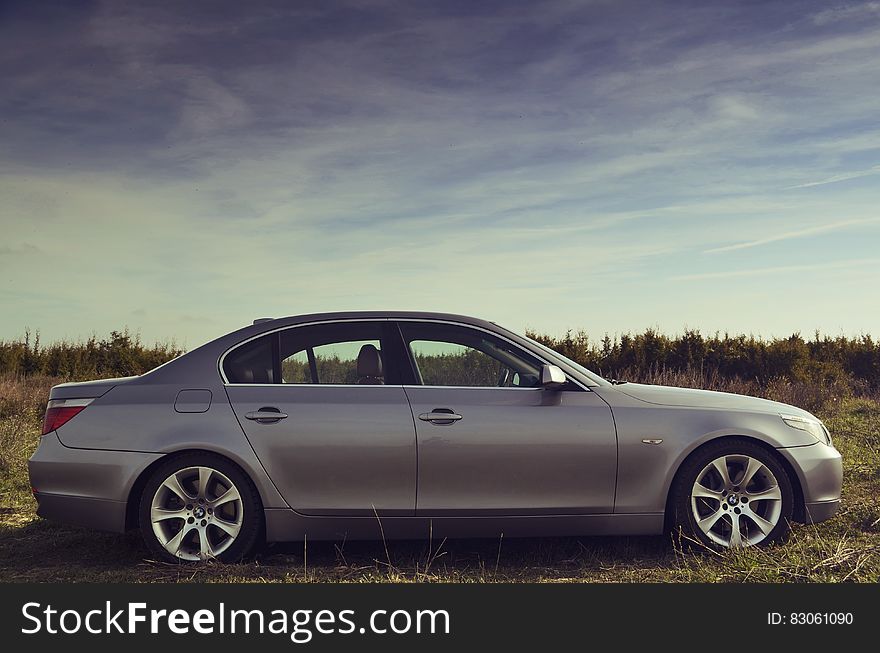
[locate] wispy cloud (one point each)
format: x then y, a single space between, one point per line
300 156
850 11
791 235
873 170
24 249
777 270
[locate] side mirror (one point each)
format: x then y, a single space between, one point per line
552 377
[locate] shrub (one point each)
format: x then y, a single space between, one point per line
122 354
808 373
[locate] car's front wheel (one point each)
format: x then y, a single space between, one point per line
200 506
733 493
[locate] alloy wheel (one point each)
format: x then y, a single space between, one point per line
196 513
736 501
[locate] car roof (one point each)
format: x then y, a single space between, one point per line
391 315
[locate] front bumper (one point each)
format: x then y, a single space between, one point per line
820 511
84 487
819 468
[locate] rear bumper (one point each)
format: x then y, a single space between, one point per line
84 487
99 514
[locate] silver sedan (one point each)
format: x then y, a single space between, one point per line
400 424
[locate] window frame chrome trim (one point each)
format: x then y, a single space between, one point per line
537 355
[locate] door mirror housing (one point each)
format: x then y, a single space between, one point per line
552 377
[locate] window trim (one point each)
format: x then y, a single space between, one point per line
525 355
415 372
392 334
313 365
276 357
401 342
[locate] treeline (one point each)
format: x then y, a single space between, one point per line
469 368
842 362
121 354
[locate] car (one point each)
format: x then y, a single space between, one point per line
368 425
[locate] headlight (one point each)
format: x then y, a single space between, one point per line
812 426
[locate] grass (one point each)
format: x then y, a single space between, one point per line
845 548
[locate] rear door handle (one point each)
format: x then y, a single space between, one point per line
266 415
440 416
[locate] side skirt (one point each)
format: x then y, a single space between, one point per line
284 525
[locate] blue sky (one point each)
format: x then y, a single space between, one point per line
182 168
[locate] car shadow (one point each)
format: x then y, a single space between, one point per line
483 558
43 551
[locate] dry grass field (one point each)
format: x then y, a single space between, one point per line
846 548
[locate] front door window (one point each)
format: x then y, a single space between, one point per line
451 355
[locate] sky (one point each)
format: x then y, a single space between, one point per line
180 169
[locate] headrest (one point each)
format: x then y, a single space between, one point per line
369 363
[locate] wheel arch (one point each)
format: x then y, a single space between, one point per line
798 509
134 494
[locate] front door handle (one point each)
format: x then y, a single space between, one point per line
266 415
440 416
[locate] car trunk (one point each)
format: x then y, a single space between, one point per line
86 389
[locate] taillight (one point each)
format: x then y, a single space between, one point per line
61 411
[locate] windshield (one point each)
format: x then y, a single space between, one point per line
567 361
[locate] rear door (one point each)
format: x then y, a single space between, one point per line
335 439
508 447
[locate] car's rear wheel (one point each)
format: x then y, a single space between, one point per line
200 506
732 494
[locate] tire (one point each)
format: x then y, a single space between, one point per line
706 504
200 506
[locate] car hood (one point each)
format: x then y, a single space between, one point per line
688 397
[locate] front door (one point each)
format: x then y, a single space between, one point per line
326 414
508 446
